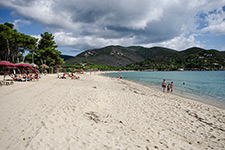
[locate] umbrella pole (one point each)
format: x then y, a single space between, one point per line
5 73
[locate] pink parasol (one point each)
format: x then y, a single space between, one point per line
24 65
7 64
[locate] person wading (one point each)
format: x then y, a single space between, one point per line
164 85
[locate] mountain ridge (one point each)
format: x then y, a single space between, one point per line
119 56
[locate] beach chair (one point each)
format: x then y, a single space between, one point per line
6 83
10 81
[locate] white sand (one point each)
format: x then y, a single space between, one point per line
98 112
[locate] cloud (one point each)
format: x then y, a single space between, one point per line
36 36
179 43
68 39
217 29
84 24
19 23
216 22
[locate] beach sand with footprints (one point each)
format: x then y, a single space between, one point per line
99 112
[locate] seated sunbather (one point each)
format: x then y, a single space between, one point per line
31 77
74 76
36 76
13 76
64 76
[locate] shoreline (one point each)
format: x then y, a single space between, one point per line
104 113
190 96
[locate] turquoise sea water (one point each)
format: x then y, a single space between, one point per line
203 84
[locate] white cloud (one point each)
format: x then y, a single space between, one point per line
36 36
216 22
65 39
19 23
68 39
216 29
86 24
178 43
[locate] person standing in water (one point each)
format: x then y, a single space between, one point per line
171 87
168 88
164 85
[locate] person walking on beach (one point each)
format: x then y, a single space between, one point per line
164 85
171 87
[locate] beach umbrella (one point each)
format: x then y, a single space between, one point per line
34 65
44 66
6 64
24 65
34 70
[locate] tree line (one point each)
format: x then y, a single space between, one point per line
18 47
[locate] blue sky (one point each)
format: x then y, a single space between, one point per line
78 25
30 27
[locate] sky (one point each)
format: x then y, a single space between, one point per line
79 25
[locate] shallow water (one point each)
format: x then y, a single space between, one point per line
205 84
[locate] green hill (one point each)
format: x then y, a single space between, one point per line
110 56
191 59
137 57
119 56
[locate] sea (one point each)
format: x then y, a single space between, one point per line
205 86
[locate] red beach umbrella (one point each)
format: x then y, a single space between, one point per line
7 64
24 65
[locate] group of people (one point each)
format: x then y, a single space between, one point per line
25 76
169 86
64 76
120 76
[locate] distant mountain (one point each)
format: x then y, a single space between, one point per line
142 57
66 57
110 56
154 52
120 56
190 59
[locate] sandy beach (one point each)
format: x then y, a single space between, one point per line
99 112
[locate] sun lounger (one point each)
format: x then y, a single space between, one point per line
6 83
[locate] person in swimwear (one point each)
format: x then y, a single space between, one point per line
164 85
171 87
168 88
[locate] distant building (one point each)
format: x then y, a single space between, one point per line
208 55
83 64
180 69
